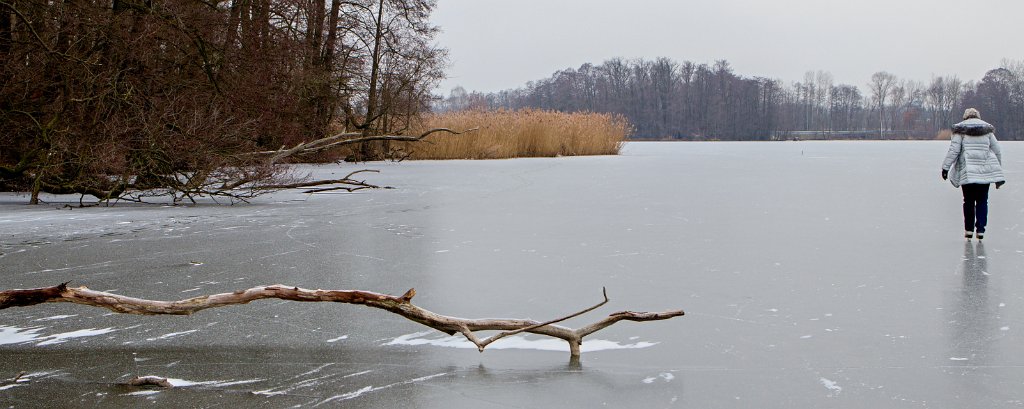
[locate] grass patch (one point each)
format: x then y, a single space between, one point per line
522 133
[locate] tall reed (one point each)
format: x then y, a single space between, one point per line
522 133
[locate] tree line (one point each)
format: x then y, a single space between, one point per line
101 96
670 100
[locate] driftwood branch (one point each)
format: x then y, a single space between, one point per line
401 305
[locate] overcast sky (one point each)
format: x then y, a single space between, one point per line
502 44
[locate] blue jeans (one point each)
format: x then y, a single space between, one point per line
975 207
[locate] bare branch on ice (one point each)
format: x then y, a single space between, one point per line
401 305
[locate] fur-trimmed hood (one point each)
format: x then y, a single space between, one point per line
973 127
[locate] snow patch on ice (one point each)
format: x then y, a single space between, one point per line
141 393
371 388
62 337
831 386
514 342
349 395
15 335
55 317
171 335
213 384
356 374
953 358
338 338
667 377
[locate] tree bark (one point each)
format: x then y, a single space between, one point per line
401 305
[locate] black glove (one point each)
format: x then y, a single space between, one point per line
945 174
1000 184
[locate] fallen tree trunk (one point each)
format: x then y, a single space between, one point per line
237 176
346 138
401 305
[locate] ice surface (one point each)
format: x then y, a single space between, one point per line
513 342
804 267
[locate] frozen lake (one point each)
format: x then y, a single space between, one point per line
813 274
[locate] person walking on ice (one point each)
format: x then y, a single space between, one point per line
973 162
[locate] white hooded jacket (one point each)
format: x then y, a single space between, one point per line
974 155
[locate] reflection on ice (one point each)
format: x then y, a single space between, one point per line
973 322
514 342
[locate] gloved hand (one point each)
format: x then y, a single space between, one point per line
1000 184
945 174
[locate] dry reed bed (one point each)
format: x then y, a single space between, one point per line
523 133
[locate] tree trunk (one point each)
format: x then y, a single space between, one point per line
6 31
370 150
234 19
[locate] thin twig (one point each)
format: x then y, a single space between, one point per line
496 337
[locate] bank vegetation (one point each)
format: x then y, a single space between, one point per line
518 133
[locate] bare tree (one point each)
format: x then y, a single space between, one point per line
700 101
127 99
880 86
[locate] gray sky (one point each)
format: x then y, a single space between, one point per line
501 44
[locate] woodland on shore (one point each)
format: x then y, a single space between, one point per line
187 97
666 99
